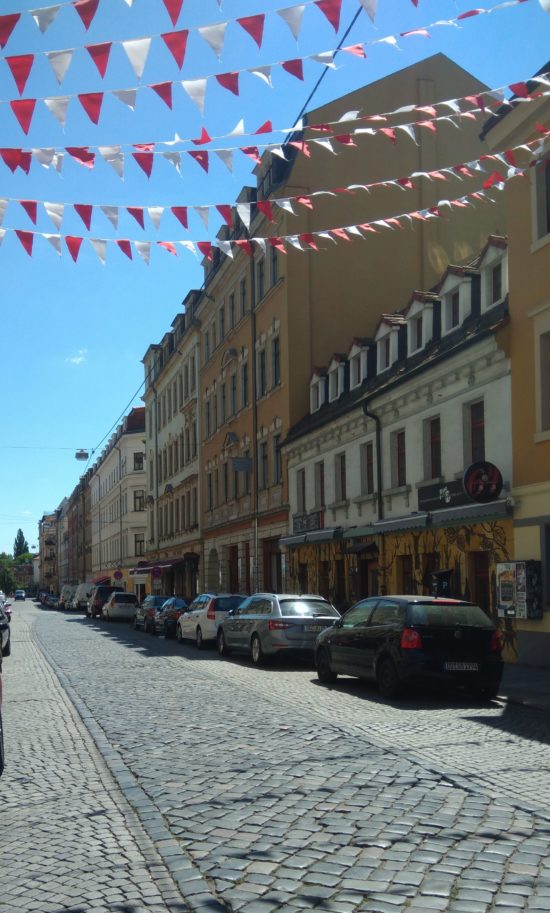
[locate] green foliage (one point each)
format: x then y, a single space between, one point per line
20 546
26 558
7 580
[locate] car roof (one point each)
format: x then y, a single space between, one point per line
441 600
292 596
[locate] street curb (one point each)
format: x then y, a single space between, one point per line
193 887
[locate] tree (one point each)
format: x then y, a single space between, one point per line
7 580
20 546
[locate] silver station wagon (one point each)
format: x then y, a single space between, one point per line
269 623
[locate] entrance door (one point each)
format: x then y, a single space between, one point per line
233 562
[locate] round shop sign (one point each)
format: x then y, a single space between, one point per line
117 575
482 482
156 572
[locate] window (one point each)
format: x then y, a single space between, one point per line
541 200
222 322
544 385
319 470
262 377
192 374
139 500
244 384
242 290
235 484
275 362
246 474
138 461
415 334
231 310
451 310
301 491
277 462
233 394
206 346
225 482
207 419
399 468
223 404
213 336
355 371
264 466
367 468
383 353
186 382
260 278
139 544
477 431
432 437
209 501
340 486
274 264
496 283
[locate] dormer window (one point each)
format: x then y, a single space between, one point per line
357 358
415 335
384 353
451 310
494 278
335 381
316 392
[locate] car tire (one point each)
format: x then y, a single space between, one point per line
145 626
221 642
198 639
256 650
324 672
135 623
387 678
484 692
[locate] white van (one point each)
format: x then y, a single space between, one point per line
81 597
66 595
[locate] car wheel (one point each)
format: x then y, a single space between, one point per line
257 652
387 678
145 626
198 639
484 692
324 672
135 625
223 649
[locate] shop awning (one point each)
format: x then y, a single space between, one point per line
470 513
164 564
292 541
362 548
357 532
99 580
396 524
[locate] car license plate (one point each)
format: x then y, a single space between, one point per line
314 628
461 667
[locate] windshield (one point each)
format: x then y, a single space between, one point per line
450 613
310 607
226 603
125 597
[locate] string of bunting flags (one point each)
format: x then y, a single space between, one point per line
56 210
138 50
304 241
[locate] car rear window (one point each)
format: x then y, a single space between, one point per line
443 614
307 607
125 597
226 603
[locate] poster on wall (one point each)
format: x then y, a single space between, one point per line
519 589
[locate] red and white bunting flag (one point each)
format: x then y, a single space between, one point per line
174 158
100 247
26 238
44 17
3 207
358 50
164 91
225 247
266 127
137 51
2 234
86 9
423 33
7 25
55 212
263 73
252 152
226 156
137 213
155 214
294 67
125 246
111 213
203 138
114 157
54 240
266 209
174 9
293 16
390 133
331 9
226 213
286 205
91 102
205 248
23 108
20 67
128 97
145 161
370 7
144 250
214 35
204 213
201 157
196 90
341 233
59 62
16 158
243 211
346 139
58 107
229 81
82 155
30 207
277 243
305 201
180 213
254 25
73 244
302 147
169 246
176 42
100 55
188 245
295 241
84 210
245 245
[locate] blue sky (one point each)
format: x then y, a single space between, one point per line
74 334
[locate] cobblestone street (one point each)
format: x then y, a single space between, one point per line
146 776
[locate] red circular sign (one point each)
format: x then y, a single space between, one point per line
482 482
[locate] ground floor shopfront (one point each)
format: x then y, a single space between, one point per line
246 556
175 572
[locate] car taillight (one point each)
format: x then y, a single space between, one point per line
495 644
278 625
411 639
211 613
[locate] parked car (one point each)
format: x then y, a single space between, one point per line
79 602
1 726
403 640
166 619
147 612
270 623
99 597
5 634
19 594
65 596
120 607
201 620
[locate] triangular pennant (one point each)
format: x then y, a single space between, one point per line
267 127
203 212
277 243
127 97
325 144
261 243
145 161
331 9
91 102
137 213
30 208
254 25
176 42
293 15
155 214
174 158
44 17
125 246
2 234
294 67
203 139
326 58
225 247
226 156
55 241
13 158
144 250
238 129
293 239
173 8
59 61
286 205
86 9
44 157
23 108
137 51
358 50
214 35
244 244
309 239
58 107
263 73
114 156
226 213
370 7
189 246
55 212
266 209
200 156
164 91
100 247
82 155
229 81
112 214
84 210
73 243
279 152
3 207
252 152
180 213
305 201
196 90
7 25
20 67
26 238
243 211
205 248
100 55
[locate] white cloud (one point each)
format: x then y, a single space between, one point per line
77 359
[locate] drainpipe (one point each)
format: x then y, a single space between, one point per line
379 496
254 417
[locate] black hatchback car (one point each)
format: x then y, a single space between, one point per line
406 640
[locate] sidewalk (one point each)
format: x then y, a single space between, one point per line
528 685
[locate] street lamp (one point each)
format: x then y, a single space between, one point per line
81 455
